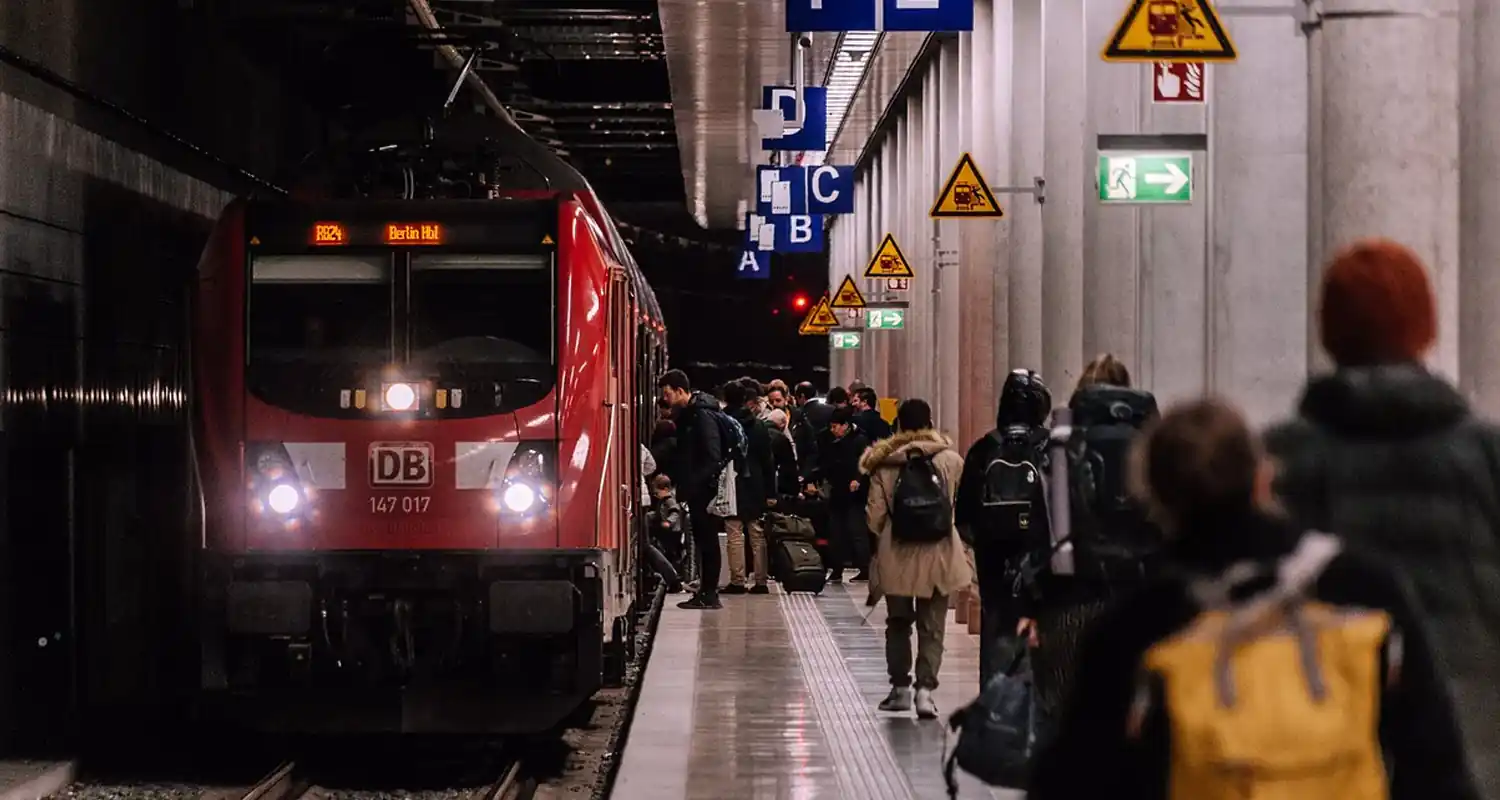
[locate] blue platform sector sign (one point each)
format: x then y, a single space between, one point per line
753 266
824 189
830 189
830 15
878 15
814 133
929 15
790 233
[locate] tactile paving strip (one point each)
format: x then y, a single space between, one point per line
863 761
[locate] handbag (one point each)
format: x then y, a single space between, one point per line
996 732
725 503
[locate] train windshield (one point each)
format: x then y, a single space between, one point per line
320 310
486 323
482 310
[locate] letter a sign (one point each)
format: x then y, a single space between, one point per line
966 195
1170 30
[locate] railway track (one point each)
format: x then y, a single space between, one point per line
289 781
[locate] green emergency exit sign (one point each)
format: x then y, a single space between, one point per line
885 319
1145 177
845 340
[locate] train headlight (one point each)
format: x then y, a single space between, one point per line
283 498
518 497
273 484
400 396
526 490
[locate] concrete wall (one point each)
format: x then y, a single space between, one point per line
101 223
1313 138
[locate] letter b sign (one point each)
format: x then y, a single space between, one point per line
405 465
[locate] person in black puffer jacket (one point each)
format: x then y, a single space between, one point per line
1389 456
997 533
694 465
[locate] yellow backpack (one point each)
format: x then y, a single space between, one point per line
1276 697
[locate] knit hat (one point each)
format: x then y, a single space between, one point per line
1377 305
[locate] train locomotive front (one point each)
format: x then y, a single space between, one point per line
417 431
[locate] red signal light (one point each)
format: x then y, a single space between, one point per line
799 302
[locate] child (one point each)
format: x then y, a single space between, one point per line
667 522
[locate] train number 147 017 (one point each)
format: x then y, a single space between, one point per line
405 504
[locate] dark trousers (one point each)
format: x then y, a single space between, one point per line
997 632
662 565
848 537
706 542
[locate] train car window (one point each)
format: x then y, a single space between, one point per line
482 309
487 322
316 309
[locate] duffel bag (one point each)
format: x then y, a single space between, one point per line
787 526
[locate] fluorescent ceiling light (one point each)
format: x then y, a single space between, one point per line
851 60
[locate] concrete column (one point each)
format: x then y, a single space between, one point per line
929 379
890 194
1390 143
1024 293
1112 235
997 169
1255 290
1479 275
946 279
979 259
1064 109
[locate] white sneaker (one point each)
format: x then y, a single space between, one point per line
898 700
926 707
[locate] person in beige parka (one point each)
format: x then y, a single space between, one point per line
916 579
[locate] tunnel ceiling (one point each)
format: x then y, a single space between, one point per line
588 77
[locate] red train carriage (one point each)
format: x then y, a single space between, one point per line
418 426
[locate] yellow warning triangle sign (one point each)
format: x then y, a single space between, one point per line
815 324
254 241
1170 30
547 239
848 295
966 194
822 315
808 329
888 261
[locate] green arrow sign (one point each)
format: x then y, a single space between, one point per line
845 340
1145 177
885 319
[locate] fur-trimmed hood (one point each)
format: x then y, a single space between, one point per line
892 449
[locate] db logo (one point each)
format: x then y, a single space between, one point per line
401 464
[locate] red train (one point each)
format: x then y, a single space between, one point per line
417 432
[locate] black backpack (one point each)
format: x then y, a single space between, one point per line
733 440
1013 495
1108 529
921 508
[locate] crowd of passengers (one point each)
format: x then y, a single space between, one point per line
1189 609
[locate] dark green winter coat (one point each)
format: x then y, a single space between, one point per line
1391 459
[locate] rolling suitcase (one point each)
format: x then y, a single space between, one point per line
796 565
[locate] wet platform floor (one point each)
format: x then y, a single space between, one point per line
774 697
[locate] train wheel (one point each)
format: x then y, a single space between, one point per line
617 653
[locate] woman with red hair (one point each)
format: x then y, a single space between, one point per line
1388 455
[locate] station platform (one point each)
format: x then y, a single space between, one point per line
775 696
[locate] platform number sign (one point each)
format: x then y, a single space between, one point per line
401 465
